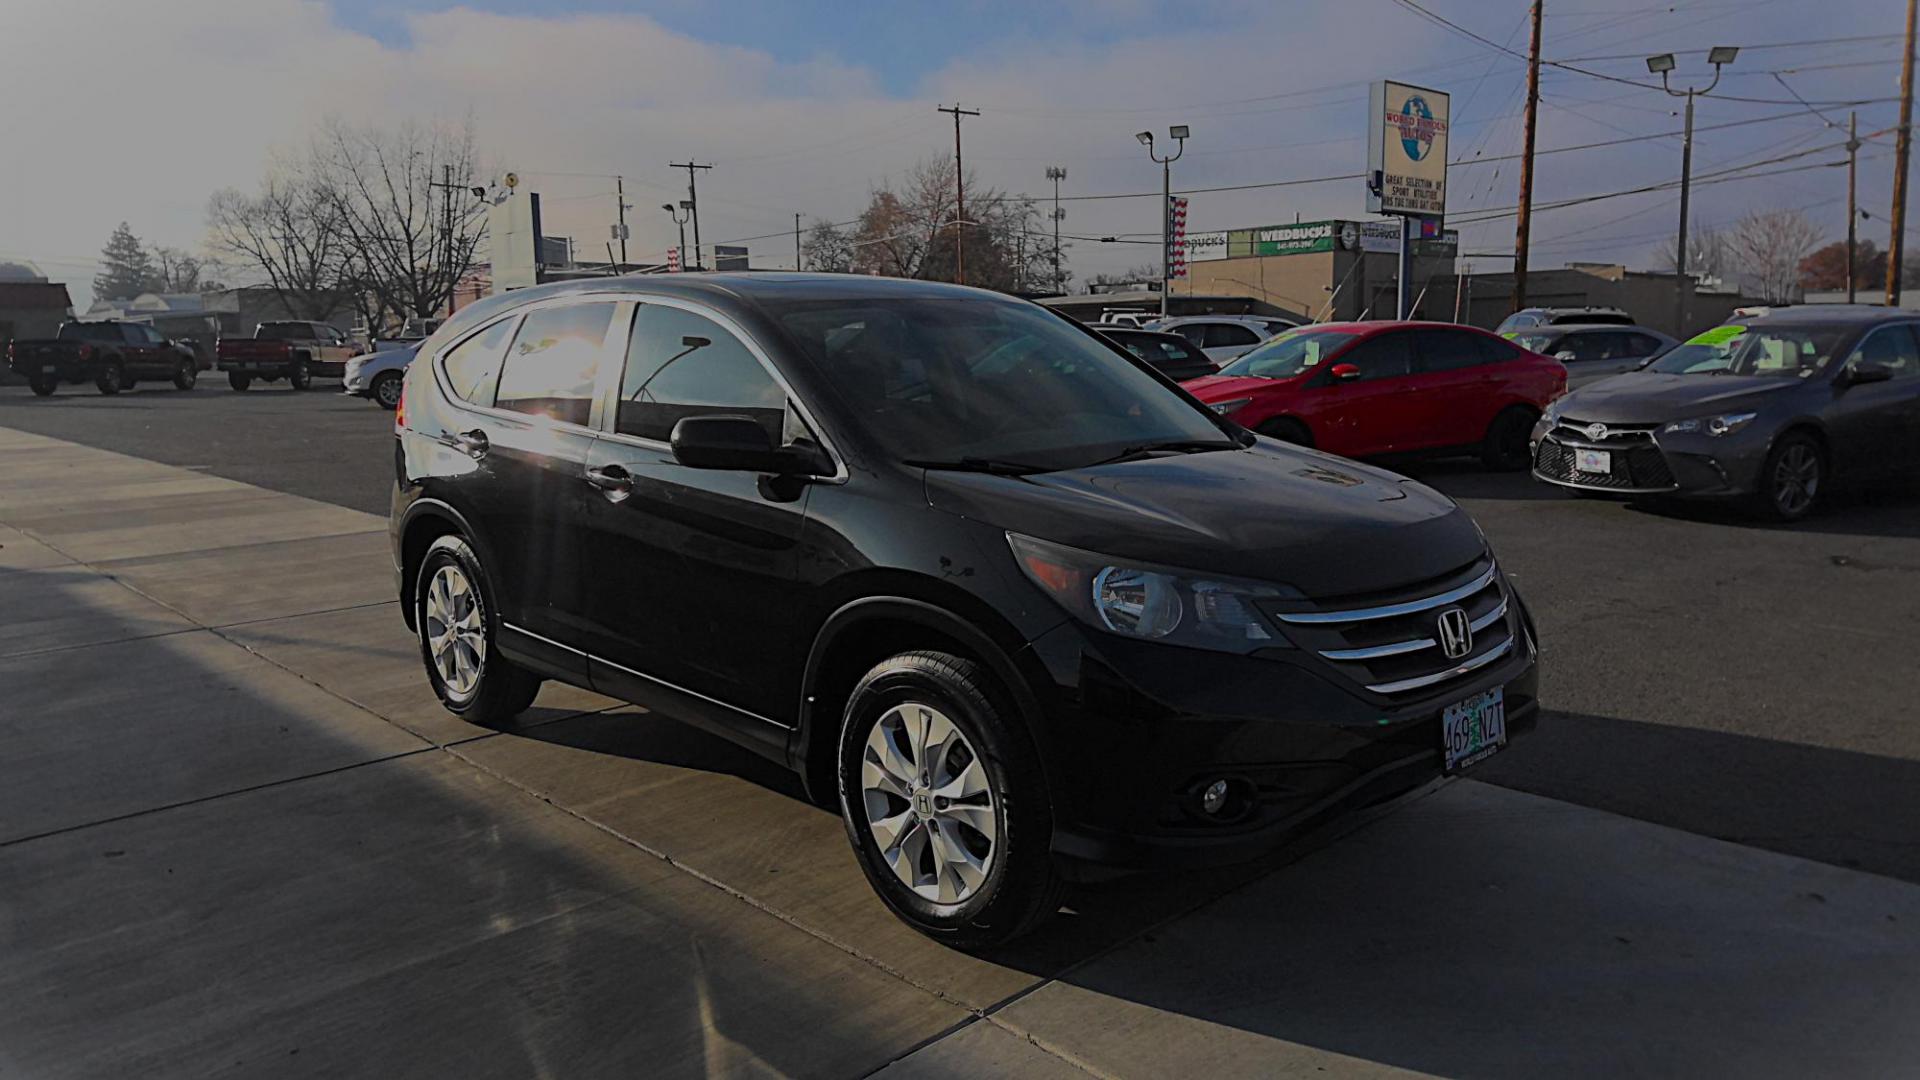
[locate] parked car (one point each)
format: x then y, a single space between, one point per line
376 376
295 350
1375 388
1008 602
1221 337
1594 352
1170 354
1771 409
111 355
1125 317
1560 316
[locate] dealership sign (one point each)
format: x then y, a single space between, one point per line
1383 237
1206 246
1296 239
1407 150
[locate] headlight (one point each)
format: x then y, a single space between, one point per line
1555 408
1226 407
1156 603
1724 424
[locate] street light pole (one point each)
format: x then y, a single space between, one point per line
680 220
1178 133
1662 65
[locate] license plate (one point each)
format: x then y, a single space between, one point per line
1474 728
1593 461
48 369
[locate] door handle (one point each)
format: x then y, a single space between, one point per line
614 481
473 443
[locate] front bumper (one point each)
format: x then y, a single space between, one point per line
1135 730
1644 462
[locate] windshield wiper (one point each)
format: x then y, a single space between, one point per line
981 465
1187 446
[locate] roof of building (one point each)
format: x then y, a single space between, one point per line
50 295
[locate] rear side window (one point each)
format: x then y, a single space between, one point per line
681 364
554 362
1195 333
1451 350
1227 335
1384 357
473 364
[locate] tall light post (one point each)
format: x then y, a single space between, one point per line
1057 173
1177 133
680 219
1662 65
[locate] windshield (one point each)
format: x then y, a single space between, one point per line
947 380
1796 351
283 331
1293 353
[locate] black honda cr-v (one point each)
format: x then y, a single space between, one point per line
1012 601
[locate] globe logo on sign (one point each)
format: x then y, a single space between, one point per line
1416 128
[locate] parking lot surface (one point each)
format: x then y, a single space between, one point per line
238 835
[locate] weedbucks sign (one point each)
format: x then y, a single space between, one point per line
1299 239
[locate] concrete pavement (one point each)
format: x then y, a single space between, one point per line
238 837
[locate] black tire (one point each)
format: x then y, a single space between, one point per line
1505 447
1021 886
43 387
239 380
111 380
502 689
1287 429
1794 479
185 375
298 376
386 389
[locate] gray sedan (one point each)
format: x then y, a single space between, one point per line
1770 408
1595 352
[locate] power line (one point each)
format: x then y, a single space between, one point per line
1743 48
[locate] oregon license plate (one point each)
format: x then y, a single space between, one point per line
1593 461
1474 728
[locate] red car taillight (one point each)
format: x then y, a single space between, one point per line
86 352
400 410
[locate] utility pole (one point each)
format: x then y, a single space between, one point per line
1662 65
1057 173
620 196
693 207
959 195
446 186
1523 225
1853 215
1903 143
797 267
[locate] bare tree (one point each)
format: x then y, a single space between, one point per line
1767 246
1706 253
827 249
911 231
401 197
176 271
290 234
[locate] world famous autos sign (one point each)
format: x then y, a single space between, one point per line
1407 150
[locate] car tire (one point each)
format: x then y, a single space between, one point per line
239 380
298 376
1505 449
43 387
453 618
386 389
185 375
975 869
111 380
1794 478
1287 429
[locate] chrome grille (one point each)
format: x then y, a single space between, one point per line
1393 646
1637 465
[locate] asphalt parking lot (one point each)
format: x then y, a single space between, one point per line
226 758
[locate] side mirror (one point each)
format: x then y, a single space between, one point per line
1868 373
1344 372
739 444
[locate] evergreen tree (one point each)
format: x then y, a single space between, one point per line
126 270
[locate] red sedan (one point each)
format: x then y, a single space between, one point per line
1373 388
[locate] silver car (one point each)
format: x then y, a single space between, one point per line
378 375
1222 337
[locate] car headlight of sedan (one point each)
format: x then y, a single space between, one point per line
1724 424
1227 408
1554 409
1155 603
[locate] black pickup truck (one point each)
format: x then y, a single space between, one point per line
111 355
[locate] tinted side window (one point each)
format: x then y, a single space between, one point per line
682 364
1229 334
1385 357
1639 345
1195 333
1584 347
1450 350
473 364
1893 348
555 361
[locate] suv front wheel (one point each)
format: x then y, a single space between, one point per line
455 625
945 802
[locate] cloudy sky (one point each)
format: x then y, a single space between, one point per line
138 110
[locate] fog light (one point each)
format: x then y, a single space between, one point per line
1214 799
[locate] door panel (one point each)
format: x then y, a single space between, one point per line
1453 388
1876 426
1374 413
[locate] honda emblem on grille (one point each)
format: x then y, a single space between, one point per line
1596 431
1456 633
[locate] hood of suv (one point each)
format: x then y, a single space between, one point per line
1644 397
1322 524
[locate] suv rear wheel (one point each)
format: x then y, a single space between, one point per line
239 380
185 375
453 618
42 385
110 380
298 376
945 803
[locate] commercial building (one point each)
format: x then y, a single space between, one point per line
31 309
1646 295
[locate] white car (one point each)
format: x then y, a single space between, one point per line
1223 337
377 375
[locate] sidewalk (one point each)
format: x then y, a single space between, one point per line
239 837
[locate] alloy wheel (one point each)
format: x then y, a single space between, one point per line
456 635
387 391
930 805
1796 479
